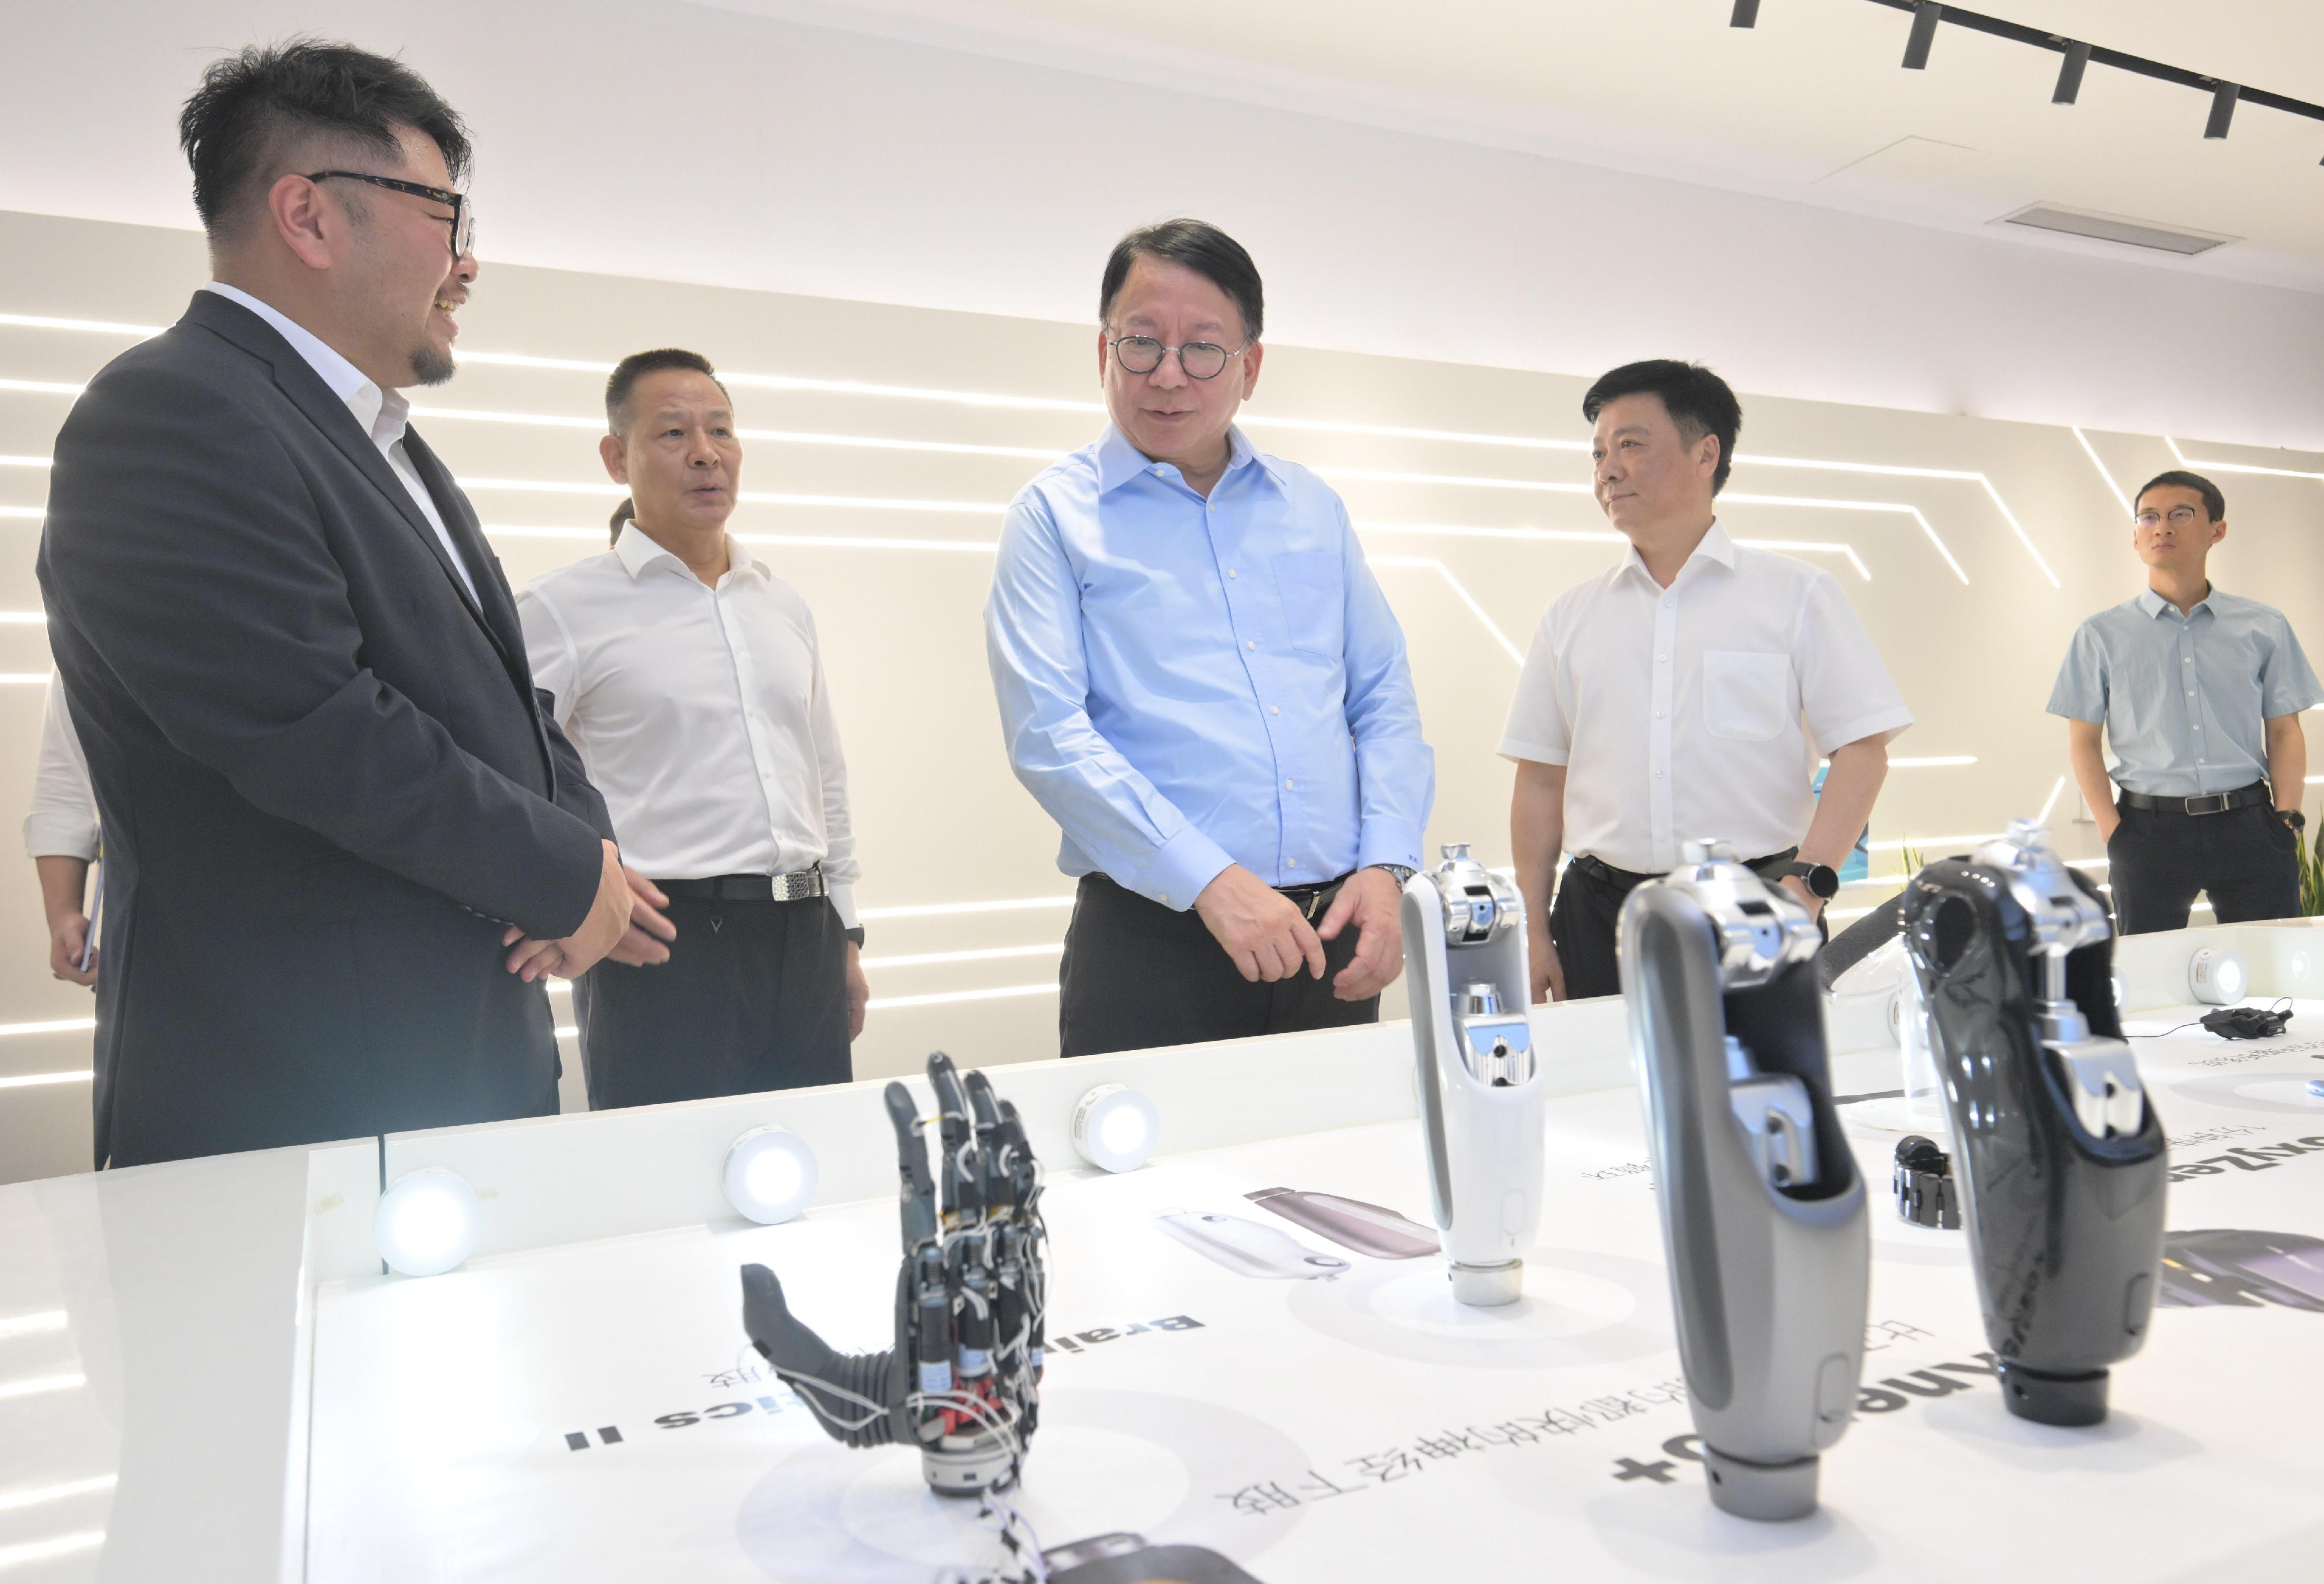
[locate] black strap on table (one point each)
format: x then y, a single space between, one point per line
2206 803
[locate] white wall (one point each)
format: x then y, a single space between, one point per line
687 143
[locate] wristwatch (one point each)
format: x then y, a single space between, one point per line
2292 817
1402 872
1821 878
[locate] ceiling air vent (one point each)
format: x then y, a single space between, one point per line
2114 228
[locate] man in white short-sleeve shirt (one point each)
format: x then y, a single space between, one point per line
1684 694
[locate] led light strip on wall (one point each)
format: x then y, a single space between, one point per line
2187 461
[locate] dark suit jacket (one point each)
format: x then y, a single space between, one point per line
324 777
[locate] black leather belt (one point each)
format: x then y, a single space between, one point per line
1599 868
2206 803
1311 899
750 887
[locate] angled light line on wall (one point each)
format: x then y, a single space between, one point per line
14 1501
1816 502
1466 599
24 679
56 1024
43 387
2187 461
34 512
1465 481
610 490
1399 432
2051 802
94 327
1600 537
25 462
2090 451
33 1386
26 1325
880 1003
22 618
1901 472
954 909
780 436
43 1080
59 1545
986 953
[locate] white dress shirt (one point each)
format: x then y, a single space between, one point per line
701 712
1697 710
63 821
383 415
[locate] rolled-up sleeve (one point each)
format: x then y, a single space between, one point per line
63 821
1846 694
1395 770
2287 682
2080 694
1040 680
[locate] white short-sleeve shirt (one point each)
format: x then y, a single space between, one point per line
1698 710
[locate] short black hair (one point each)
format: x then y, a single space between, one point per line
254 108
1698 401
1203 248
637 366
2214 502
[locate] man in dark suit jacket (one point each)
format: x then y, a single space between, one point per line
343 843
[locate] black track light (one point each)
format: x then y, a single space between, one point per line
2223 109
1747 14
1925 17
2069 75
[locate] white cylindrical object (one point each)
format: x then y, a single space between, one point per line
769 1175
1116 1127
2215 976
428 1222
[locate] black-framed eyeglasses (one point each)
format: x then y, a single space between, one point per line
1200 360
462 216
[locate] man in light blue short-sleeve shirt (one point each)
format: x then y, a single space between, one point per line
1201 682
2199 694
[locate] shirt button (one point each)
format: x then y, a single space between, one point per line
1250 643
1232 573
1290 785
1165 899
1662 660
1273 709
1291 863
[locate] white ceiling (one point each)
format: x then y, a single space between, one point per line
1810 106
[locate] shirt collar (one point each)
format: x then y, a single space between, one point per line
1715 547
384 414
637 550
1119 461
2155 604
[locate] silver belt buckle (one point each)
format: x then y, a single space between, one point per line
2218 798
799 886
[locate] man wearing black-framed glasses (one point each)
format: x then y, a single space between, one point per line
2198 693
343 841
1201 682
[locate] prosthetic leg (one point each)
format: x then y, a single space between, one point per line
1479 1080
2059 1159
1764 1218
963 1382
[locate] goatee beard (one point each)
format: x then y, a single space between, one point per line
431 367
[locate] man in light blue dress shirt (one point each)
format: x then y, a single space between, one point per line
1201 682
2198 693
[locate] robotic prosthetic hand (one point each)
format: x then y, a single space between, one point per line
2060 1159
963 1382
1480 1083
1764 1218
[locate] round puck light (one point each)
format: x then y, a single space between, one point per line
1116 1127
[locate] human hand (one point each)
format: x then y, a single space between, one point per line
1798 888
1370 900
642 944
67 937
1540 956
569 957
1257 925
859 992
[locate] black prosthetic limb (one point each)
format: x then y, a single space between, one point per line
2058 1154
962 1382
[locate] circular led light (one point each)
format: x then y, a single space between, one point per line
2215 976
428 1222
770 1175
2121 993
1116 1127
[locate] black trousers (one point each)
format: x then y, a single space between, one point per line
2246 859
1582 921
754 997
1137 975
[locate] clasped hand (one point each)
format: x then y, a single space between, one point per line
624 924
1270 939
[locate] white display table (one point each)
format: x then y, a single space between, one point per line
200 1363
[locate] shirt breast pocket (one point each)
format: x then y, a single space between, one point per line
1747 696
1313 594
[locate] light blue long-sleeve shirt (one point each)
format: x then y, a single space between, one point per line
1189 684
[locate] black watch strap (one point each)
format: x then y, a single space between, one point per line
1925 1193
856 934
1821 878
2292 817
